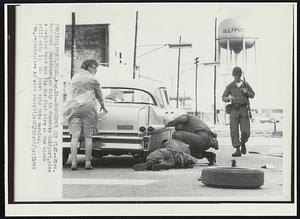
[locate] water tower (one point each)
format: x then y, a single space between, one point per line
236 36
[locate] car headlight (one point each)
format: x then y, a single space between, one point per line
142 129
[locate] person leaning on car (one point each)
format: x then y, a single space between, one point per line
195 132
81 109
238 93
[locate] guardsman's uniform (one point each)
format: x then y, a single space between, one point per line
240 92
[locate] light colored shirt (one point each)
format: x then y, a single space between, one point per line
238 84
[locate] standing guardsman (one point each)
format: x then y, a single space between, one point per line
239 92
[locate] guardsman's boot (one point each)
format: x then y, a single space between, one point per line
211 157
237 153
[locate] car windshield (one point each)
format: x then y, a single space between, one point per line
127 95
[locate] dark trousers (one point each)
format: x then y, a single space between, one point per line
239 121
198 143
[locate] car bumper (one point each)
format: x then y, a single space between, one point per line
104 142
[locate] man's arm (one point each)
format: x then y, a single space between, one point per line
225 96
249 91
179 120
207 130
99 95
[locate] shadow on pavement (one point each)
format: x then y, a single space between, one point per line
124 161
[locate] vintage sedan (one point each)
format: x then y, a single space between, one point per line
135 123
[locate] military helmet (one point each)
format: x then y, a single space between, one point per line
237 71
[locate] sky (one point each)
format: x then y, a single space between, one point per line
196 26
160 24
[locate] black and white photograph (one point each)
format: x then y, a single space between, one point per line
150 109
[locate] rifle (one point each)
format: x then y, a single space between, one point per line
248 102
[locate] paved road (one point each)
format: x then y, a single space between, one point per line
113 178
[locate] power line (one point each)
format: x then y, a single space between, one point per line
186 70
152 79
152 45
146 53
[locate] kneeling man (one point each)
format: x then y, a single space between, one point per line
194 132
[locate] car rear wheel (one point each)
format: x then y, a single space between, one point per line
232 177
66 152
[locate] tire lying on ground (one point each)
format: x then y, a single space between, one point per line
232 177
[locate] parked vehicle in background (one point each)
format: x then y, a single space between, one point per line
135 123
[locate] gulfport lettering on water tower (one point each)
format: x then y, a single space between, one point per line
234 29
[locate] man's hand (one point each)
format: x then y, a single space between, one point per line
228 99
104 109
244 90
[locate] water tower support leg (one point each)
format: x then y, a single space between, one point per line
228 57
235 59
244 56
231 63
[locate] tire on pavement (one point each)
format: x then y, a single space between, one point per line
232 177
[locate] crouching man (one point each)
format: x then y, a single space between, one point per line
194 132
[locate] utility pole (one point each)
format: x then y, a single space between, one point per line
73 46
178 70
196 86
135 40
215 75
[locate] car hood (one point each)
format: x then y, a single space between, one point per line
128 118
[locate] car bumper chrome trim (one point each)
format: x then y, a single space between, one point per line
127 146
